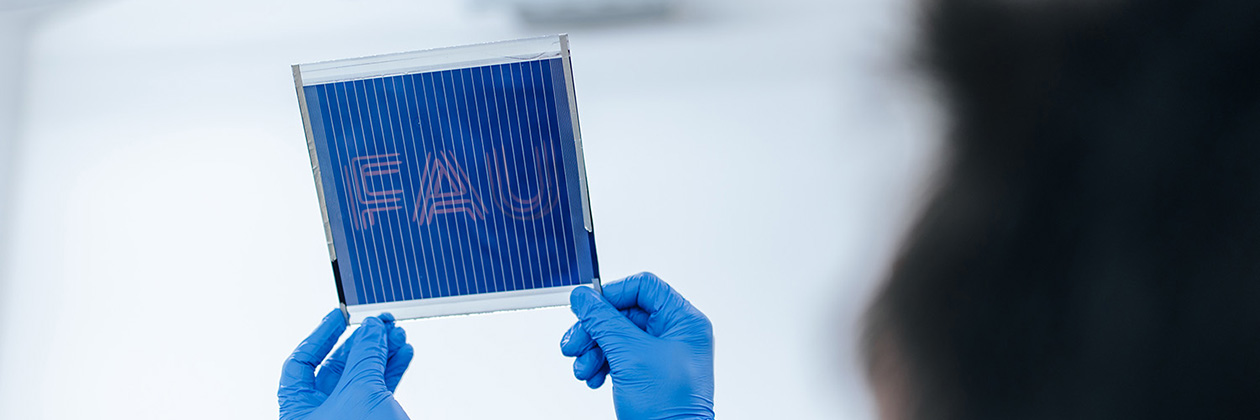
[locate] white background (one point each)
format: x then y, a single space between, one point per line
163 245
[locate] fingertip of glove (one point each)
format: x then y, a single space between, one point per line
404 355
597 381
335 315
582 297
646 275
398 334
373 331
579 366
568 334
372 322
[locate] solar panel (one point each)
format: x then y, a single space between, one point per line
451 180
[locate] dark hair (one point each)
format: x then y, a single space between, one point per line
1091 248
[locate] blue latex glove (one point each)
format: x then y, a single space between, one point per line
657 347
357 382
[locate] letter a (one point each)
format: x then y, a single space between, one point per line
446 189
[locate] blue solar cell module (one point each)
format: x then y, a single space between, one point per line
451 183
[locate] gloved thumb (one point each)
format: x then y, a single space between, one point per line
601 320
365 366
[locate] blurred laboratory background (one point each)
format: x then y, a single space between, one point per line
162 249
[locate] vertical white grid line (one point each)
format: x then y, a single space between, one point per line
534 135
568 241
378 285
474 123
374 136
351 150
450 223
508 139
547 140
404 131
424 140
390 252
405 290
522 130
334 137
436 153
469 227
413 112
488 227
397 247
572 232
491 170
447 223
578 234
557 223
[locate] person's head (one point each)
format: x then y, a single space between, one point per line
1091 248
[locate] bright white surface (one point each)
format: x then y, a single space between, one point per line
760 156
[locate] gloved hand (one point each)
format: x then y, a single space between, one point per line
657 347
357 382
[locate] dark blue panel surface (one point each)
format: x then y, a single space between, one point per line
451 183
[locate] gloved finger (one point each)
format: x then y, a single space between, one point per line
395 338
587 364
299 368
638 316
644 290
605 324
365 365
330 372
393 343
576 341
598 379
400 356
397 366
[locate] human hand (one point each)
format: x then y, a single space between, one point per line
657 347
356 382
